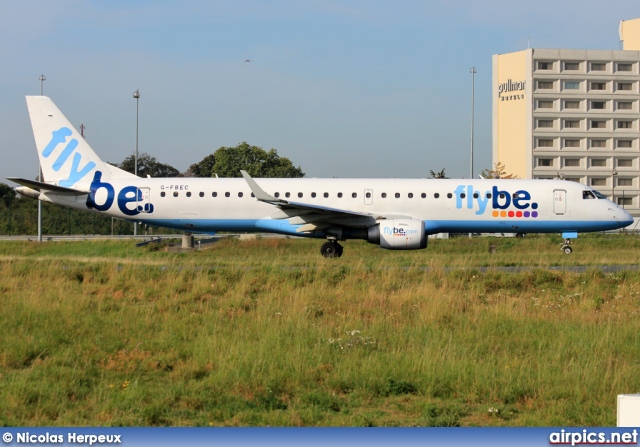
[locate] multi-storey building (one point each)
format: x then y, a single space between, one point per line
572 114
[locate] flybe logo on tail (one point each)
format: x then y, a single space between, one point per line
76 173
103 195
499 200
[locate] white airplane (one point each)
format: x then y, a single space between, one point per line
396 214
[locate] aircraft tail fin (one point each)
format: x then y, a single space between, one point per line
65 157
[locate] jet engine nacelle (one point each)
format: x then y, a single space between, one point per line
398 234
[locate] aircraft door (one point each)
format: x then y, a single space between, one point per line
368 196
144 200
559 201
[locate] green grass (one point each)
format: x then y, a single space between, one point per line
267 332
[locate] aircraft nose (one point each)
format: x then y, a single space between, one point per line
622 216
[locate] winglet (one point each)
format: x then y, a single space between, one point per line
260 194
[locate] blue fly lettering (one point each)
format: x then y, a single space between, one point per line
467 196
76 173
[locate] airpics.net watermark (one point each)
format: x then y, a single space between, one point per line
590 437
70 438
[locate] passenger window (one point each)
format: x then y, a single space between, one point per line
384 195
188 193
475 195
313 195
201 194
300 195
488 195
449 195
354 195
502 195
175 194
326 195
240 194
214 194
423 195
397 195
162 194
253 195
436 195
277 194
368 195
339 195
287 195
410 195
463 195
227 194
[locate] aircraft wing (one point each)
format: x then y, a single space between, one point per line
45 187
311 216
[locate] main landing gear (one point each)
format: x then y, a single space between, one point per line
331 249
566 247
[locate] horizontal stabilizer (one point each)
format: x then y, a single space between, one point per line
46 187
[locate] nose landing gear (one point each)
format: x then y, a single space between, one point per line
566 247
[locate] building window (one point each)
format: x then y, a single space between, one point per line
572 104
545 65
598 162
625 181
572 65
545 162
626 86
598 182
598 124
545 142
571 162
571 85
624 67
625 201
624 105
598 86
545 123
625 163
598 143
545 85
598 66
598 105
571 143
545 104
625 144
624 125
571 124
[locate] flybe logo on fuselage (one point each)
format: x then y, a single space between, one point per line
500 201
76 172
102 196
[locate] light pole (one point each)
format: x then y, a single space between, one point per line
473 94
136 95
42 79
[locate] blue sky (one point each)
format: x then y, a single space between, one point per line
359 88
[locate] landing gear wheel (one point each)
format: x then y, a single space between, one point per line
331 249
565 247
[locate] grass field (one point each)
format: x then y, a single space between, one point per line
268 332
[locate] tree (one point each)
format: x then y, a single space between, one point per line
7 194
255 160
148 165
499 171
438 175
204 168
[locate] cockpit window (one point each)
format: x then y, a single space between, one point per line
598 194
588 195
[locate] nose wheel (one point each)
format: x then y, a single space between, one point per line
331 249
566 247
